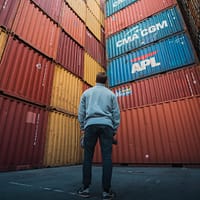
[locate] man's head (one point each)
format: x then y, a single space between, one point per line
101 77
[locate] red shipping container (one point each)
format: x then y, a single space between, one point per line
72 24
176 84
8 9
22 133
134 13
25 73
165 133
70 55
95 48
36 28
51 7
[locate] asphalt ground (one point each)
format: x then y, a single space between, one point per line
129 183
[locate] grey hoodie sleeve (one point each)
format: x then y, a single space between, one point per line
116 113
82 112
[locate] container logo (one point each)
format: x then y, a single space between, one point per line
117 3
137 33
144 61
125 91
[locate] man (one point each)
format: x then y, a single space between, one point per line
99 117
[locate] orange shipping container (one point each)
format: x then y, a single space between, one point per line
3 39
36 28
165 133
72 24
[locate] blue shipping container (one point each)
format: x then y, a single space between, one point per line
113 6
171 53
150 30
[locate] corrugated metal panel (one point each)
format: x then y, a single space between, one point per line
166 133
93 25
62 145
175 84
134 13
22 133
94 48
165 55
79 7
91 68
94 8
3 39
33 26
191 10
66 92
8 10
25 73
150 30
112 6
70 55
72 24
51 7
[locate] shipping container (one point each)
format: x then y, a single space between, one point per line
191 14
25 73
3 40
8 9
94 8
113 6
91 68
51 7
70 55
176 84
22 133
168 54
165 133
72 24
94 48
134 13
36 28
66 91
150 30
79 8
62 145
93 25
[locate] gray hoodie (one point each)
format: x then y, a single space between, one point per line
98 105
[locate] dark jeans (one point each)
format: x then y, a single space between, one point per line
105 135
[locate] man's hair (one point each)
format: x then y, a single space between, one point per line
101 77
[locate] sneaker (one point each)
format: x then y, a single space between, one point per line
108 195
84 192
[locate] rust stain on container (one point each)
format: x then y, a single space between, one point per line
134 13
52 7
176 84
25 73
72 24
22 133
36 28
70 55
165 133
62 146
66 92
8 10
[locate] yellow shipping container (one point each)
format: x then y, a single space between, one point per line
3 39
93 25
66 92
62 145
79 8
102 18
94 8
91 68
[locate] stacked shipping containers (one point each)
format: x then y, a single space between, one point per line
49 53
152 69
